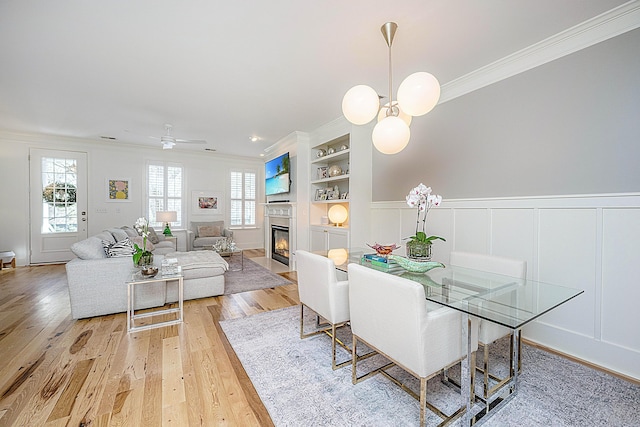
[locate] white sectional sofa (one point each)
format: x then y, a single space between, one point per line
97 283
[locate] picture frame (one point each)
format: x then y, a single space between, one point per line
323 196
207 202
344 195
319 193
322 172
118 189
333 195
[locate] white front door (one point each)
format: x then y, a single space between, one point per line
58 211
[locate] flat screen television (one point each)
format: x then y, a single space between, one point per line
277 175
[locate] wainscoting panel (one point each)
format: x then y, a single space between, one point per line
567 255
587 242
471 230
513 234
620 278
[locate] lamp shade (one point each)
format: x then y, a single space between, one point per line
419 93
338 214
360 104
338 256
391 135
166 216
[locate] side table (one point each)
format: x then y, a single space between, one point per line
138 278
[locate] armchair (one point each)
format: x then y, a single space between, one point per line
204 234
490 332
390 315
320 291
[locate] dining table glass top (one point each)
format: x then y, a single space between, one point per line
508 301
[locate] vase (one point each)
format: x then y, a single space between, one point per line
419 251
145 259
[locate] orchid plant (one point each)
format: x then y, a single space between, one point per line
422 198
142 226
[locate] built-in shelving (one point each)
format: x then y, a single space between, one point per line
323 235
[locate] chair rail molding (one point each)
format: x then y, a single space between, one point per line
580 241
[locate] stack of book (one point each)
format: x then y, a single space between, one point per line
377 260
170 267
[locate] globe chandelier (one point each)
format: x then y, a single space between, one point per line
417 95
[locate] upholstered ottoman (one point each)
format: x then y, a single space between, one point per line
203 273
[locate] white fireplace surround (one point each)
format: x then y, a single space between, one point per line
280 214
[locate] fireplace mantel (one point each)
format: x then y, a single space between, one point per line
280 213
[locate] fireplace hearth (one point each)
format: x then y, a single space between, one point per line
280 243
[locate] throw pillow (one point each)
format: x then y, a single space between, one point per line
90 248
139 240
119 249
209 231
130 231
118 234
153 237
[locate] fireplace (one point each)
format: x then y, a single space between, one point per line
280 243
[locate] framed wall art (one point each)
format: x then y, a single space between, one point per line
118 189
207 202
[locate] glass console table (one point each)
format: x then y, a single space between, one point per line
504 300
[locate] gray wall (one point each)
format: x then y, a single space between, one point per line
571 126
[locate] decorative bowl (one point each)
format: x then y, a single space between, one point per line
149 271
331 150
383 249
321 153
416 266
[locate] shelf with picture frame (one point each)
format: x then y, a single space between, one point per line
329 184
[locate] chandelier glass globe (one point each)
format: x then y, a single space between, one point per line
391 135
419 93
360 104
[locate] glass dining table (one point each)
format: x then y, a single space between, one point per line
503 300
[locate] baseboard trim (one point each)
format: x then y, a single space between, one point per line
581 361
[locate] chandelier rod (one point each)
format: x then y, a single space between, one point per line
389 31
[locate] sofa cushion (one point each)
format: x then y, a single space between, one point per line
90 248
119 249
209 231
200 264
131 232
105 235
118 234
153 236
139 240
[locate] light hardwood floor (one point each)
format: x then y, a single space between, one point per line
55 371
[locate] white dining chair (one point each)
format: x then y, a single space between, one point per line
390 315
490 332
320 291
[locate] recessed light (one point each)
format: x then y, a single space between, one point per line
254 138
261 154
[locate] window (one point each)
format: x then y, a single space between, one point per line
243 198
164 191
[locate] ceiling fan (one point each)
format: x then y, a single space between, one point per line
168 140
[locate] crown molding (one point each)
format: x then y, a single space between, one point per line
610 24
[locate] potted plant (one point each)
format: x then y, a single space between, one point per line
142 256
419 245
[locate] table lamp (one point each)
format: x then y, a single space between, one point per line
338 214
166 217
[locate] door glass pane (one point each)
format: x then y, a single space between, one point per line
59 208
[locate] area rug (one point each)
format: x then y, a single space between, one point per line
295 382
254 276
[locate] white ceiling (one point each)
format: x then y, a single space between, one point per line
223 71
